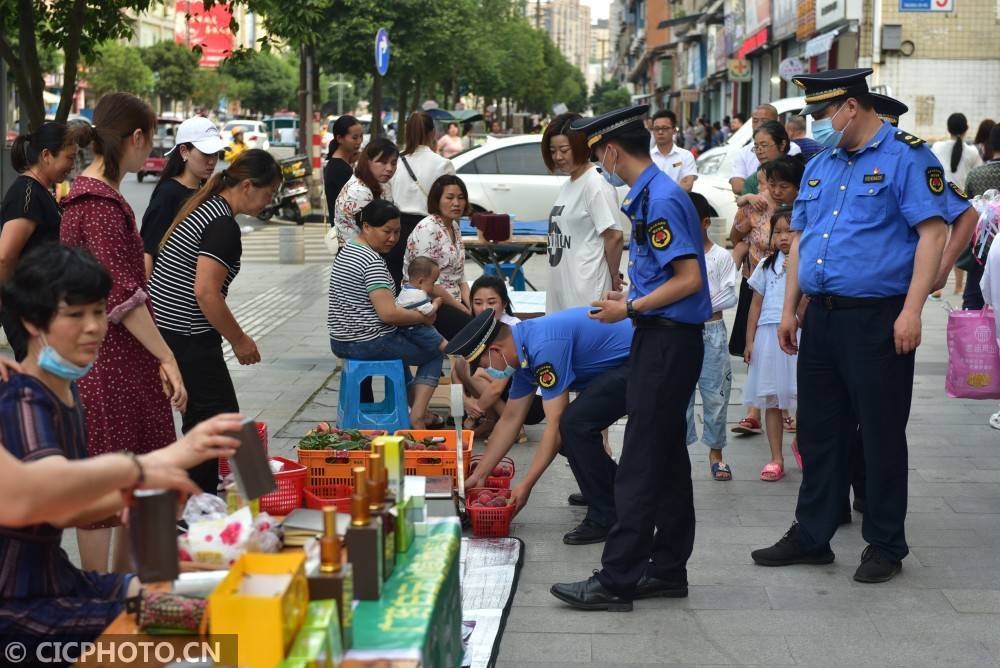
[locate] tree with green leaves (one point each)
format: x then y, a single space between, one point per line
175 66
270 80
76 27
119 68
609 95
208 86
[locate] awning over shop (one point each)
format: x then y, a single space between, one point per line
680 20
817 46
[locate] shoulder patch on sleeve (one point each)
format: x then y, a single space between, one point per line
935 180
545 375
908 139
660 235
958 191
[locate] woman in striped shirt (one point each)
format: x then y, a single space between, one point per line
199 257
363 318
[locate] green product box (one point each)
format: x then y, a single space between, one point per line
313 647
395 466
404 527
323 616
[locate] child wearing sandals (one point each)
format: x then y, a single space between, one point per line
715 381
771 384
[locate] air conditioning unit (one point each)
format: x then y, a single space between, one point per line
892 37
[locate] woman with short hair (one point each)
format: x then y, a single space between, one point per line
585 226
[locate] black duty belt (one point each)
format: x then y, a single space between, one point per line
836 303
659 322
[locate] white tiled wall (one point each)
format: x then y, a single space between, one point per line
956 85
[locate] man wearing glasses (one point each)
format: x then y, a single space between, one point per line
674 161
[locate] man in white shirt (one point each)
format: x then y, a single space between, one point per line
746 162
674 161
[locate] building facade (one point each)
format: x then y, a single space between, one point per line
712 58
568 24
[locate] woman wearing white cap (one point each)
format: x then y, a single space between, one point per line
190 163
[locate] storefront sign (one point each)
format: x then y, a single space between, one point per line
790 67
739 69
752 43
929 6
208 29
783 19
735 24
805 15
829 12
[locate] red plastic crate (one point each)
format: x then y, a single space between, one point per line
333 467
339 496
288 496
224 461
489 522
497 482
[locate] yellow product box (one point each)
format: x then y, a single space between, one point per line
395 463
262 601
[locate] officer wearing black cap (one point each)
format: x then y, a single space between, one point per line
556 354
870 230
647 550
963 218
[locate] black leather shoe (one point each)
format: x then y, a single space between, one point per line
652 587
876 567
787 552
590 594
576 499
859 504
587 532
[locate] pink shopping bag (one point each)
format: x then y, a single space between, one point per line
973 355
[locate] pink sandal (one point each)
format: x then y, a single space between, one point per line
789 424
772 472
795 452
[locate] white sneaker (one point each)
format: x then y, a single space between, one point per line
995 420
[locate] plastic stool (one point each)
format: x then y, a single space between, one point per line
511 271
390 414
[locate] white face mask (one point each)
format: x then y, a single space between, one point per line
609 174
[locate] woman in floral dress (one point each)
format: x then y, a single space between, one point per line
439 238
128 394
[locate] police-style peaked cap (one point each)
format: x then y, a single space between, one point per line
888 108
822 88
471 342
606 126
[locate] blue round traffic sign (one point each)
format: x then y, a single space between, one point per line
382 51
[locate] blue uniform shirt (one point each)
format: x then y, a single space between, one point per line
565 351
857 213
665 227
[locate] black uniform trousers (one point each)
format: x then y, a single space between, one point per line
595 409
850 377
653 484
210 391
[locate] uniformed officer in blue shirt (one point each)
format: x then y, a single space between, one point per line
962 218
870 230
556 354
647 550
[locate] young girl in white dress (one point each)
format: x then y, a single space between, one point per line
771 384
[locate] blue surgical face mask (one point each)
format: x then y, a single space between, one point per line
499 374
609 174
51 361
824 133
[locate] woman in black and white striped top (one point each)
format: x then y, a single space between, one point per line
199 257
363 318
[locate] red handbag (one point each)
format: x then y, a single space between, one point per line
495 227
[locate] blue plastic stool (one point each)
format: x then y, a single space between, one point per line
391 413
510 271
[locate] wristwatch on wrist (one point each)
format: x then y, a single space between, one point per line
630 309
